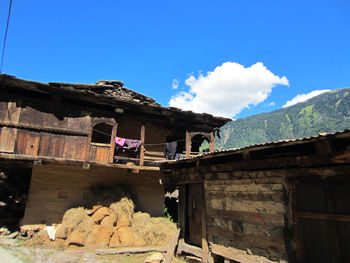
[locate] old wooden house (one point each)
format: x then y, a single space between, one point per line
287 201
66 138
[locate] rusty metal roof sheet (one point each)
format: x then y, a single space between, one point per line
256 146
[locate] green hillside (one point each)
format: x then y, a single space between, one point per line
328 112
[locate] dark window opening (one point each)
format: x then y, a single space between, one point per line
323 218
14 187
102 133
171 208
128 143
199 143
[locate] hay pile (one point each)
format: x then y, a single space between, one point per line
110 226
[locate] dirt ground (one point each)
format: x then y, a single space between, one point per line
15 253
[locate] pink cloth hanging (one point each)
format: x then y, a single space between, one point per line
120 141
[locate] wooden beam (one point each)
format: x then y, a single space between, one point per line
172 246
142 150
112 144
238 254
205 247
212 142
87 154
73 161
188 144
182 209
324 216
43 128
189 249
130 250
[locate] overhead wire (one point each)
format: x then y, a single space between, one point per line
5 37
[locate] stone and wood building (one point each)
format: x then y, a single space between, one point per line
286 201
61 137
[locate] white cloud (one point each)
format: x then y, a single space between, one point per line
175 84
228 89
272 104
303 97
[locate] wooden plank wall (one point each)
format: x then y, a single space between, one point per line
247 213
27 130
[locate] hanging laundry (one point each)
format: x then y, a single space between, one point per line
170 150
133 144
119 141
123 144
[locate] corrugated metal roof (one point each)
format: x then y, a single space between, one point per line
254 146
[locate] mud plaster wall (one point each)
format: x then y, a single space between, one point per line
248 213
56 188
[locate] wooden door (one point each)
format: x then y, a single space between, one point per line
195 206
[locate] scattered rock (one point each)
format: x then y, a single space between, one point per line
154 258
4 231
12 235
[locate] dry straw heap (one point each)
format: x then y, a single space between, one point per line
102 226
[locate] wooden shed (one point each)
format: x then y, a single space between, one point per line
74 136
287 201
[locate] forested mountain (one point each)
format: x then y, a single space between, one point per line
328 112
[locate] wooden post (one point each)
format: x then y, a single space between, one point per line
205 247
212 142
172 246
87 156
297 232
188 144
182 209
112 147
142 151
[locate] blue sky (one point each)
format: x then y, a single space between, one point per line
149 45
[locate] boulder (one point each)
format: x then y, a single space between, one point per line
154 258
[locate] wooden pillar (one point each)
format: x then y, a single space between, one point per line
212 142
205 247
182 209
87 154
188 144
142 151
112 147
